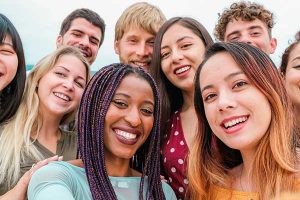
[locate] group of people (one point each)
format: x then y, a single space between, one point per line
180 117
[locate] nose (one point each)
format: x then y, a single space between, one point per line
133 117
68 84
143 50
226 101
176 56
246 39
84 40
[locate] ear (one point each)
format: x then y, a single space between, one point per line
59 40
273 43
117 47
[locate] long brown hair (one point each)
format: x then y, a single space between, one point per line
274 161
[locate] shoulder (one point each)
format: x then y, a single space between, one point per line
168 191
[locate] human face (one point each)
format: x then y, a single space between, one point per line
60 89
181 52
8 62
135 47
83 35
253 32
292 76
238 113
129 119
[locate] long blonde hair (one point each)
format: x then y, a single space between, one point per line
274 163
15 139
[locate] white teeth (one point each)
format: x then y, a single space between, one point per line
126 135
140 63
62 96
235 121
183 69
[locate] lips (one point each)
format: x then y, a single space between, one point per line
233 124
182 70
128 137
62 96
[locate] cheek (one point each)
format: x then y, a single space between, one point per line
12 67
148 125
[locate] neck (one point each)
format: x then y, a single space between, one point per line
118 167
246 169
188 100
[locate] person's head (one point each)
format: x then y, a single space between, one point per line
242 106
179 48
53 90
290 69
134 33
247 22
84 29
119 117
12 69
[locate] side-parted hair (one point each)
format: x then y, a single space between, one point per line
139 15
87 14
91 118
171 96
286 54
15 139
11 95
246 11
275 158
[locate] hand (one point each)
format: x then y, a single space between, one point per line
19 191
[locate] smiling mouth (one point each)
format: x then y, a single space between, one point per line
126 137
62 96
181 70
141 64
235 122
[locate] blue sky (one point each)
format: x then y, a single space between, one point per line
38 21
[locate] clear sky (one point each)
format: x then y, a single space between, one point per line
38 21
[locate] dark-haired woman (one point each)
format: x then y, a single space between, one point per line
118 128
179 48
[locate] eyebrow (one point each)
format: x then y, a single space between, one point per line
298 57
229 76
179 40
127 96
6 43
249 28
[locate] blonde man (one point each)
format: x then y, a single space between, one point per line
247 22
134 33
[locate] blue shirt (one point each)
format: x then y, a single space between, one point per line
61 180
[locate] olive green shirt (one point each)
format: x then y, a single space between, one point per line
66 147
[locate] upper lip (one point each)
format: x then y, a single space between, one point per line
128 129
85 51
232 118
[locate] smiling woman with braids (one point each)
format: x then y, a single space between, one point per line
118 127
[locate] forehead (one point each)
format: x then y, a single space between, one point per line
177 31
85 26
71 63
239 25
218 65
139 32
7 39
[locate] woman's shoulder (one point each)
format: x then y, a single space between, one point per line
168 191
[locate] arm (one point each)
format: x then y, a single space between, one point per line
19 191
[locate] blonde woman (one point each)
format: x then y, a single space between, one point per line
52 94
247 146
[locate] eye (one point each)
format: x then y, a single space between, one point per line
76 34
165 54
240 84
7 51
60 74
120 104
79 84
297 67
255 34
187 45
150 43
147 111
209 97
95 42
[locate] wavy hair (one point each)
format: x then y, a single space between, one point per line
15 139
93 109
275 157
